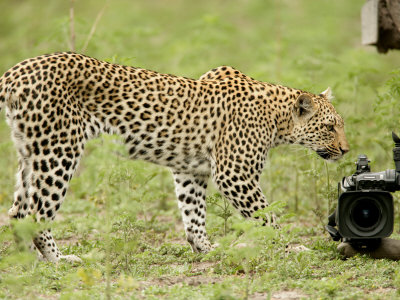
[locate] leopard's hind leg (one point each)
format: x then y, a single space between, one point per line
191 193
50 180
20 205
45 169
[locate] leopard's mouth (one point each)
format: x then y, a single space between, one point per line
326 155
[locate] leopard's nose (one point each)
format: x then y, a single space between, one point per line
344 150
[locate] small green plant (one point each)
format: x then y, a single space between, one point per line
125 244
224 210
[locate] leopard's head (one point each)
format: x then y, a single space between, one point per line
318 126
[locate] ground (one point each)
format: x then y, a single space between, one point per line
147 257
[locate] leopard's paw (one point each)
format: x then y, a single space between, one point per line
71 258
13 211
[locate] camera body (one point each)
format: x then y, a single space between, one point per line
365 211
365 204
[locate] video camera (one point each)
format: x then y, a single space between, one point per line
365 213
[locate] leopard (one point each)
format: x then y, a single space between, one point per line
219 127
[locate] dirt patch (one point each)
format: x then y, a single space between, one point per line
197 267
281 295
382 290
182 279
207 279
287 295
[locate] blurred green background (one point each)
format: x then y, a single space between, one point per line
303 44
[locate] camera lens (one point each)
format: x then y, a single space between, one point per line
365 214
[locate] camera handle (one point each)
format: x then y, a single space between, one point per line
334 233
396 151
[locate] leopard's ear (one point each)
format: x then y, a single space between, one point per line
327 94
304 108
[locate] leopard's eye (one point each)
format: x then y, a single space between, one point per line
330 127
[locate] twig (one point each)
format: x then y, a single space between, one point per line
328 187
278 38
296 190
93 29
71 26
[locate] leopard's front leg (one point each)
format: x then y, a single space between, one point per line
236 168
245 195
191 193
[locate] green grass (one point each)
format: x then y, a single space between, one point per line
120 216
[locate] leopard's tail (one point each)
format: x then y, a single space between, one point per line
2 98
4 92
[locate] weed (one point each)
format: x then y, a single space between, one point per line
224 209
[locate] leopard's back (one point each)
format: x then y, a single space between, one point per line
163 118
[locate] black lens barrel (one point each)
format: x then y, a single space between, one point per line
365 214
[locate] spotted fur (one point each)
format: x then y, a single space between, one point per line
220 126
